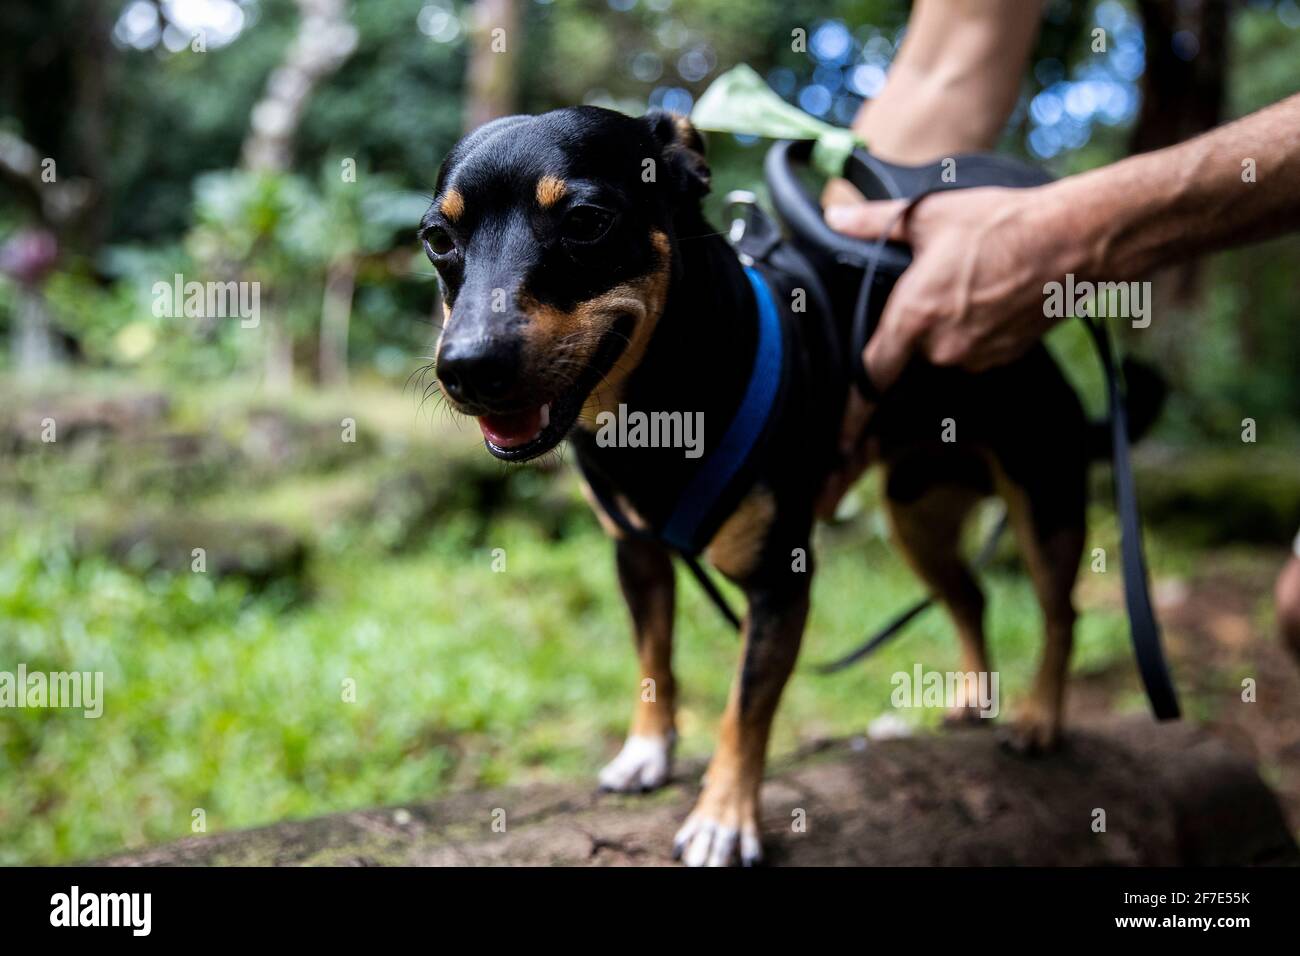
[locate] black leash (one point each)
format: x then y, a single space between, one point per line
1144 630
863 327
710 589
905 617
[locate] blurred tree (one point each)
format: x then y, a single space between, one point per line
357 215
1183 91
248 229
490 82
28 257
1184 83
54 84
324 40
53 158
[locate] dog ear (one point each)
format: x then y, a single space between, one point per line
683 167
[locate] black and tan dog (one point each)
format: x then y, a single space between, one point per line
579 275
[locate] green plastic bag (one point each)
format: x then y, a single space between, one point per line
739 101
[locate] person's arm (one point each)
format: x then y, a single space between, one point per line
1235 184
954 81
952 85
974 294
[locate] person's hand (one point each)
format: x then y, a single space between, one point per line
973 295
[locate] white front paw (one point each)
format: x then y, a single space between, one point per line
644 763
707 842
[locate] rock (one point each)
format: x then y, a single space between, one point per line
259 552
274 441
1216 496
78 418
408 506
1173 794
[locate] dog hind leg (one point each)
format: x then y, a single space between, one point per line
928 531
1051 552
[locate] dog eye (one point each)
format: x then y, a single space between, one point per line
586 224
438 242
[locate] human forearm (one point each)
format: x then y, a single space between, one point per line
954 81
1237 183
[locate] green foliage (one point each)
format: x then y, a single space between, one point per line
396 104
177 115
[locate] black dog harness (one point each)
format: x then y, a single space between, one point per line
835 270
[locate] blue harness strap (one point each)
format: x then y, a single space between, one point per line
719 469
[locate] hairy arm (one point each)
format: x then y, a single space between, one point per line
1237 183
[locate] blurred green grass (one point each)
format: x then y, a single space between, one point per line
230 699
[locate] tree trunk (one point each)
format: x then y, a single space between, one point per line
335 317
278 356
490 81
34 347
324 41
1181 98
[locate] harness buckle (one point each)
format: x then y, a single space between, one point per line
752 234
740 207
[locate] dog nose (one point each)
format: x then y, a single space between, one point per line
480 371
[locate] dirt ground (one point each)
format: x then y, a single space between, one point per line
1219 631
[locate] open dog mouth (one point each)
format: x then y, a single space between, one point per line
524 434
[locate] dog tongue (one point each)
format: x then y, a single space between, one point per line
515 429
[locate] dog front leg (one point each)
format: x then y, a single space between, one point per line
725 818
645 573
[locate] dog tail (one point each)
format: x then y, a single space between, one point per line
1145 391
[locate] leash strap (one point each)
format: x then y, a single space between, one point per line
906 616
711 589
1144 630
615 513
864 320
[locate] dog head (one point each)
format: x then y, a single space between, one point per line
552 235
